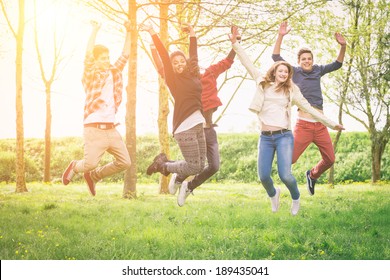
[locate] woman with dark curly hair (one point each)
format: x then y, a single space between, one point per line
183 80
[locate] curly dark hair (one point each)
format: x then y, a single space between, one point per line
192 63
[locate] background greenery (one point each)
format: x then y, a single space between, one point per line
238 159
219 222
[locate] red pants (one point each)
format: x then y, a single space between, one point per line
314 132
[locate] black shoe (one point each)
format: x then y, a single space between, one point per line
310 183
158 165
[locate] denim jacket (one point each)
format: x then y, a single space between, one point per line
295 98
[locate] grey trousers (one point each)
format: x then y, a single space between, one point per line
192 145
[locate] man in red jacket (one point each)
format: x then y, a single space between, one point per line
210 103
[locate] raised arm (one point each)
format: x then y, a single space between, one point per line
243 57
284 29
157 61
92 38
343 46
162 52
223 65
193 49
126 46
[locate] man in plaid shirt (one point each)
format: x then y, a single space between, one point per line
103 85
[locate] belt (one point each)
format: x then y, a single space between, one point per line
269 133
103 126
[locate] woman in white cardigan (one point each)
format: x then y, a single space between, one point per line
272 102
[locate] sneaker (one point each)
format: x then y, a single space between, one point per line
90 182
275 203
295 206
158 165
310 183
173 184
183 193
69 173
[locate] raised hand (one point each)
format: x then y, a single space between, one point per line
238 35
95 25
234 36
340 39
145 27
284 28
185 27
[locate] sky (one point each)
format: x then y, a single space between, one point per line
68 95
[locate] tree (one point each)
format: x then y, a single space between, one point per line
19 36
163 133
48 81
368 98
129 190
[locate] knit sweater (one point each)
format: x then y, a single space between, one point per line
185 87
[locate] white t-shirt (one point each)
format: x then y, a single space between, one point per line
106 113
194 119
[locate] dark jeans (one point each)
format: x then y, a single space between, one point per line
212 159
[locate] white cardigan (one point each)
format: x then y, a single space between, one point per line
295 98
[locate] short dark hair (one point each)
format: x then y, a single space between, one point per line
304 50
98 50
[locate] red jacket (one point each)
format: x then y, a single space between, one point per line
210 97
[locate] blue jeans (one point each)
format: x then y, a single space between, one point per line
283 145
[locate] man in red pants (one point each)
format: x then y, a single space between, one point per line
308 78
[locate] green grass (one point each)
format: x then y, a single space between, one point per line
221 221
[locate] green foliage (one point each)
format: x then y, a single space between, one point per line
8 168
55 222
238 159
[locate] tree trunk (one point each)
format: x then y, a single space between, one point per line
46 175
344 91
376 164
378 146
20 164
331 170
163 111
130 181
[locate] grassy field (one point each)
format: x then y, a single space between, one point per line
221 221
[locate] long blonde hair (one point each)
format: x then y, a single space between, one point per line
286 86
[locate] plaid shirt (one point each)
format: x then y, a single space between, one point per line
93 81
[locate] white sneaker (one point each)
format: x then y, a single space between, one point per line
295 206
275 201
183 194
173 185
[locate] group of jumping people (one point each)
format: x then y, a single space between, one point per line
196 98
